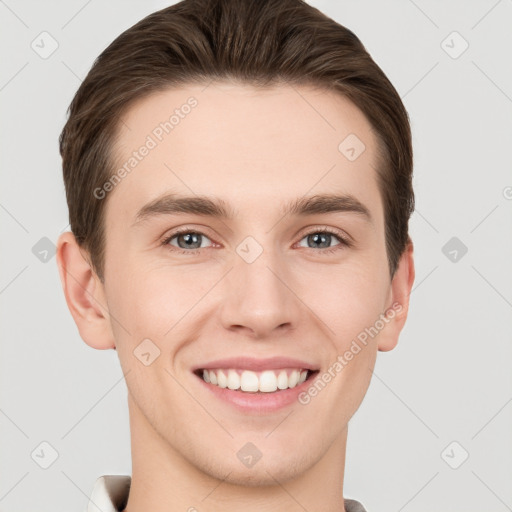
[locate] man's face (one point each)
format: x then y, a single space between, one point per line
261 284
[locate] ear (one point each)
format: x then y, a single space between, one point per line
398 300
85 294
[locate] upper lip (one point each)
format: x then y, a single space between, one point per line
250 363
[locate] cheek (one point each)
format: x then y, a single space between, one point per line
347 300
148 303
350 309
147 307
151 302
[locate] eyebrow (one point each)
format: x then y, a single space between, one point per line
202 205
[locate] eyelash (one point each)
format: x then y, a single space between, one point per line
344 242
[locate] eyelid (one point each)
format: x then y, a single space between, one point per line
185 229
344 238
328 229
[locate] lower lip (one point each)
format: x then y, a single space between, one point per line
259 403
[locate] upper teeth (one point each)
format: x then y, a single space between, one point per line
266 381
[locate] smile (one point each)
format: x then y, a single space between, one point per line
248 381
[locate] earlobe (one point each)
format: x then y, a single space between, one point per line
84 294
398 307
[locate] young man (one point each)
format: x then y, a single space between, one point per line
238 175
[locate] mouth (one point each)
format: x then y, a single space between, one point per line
253 386
259 382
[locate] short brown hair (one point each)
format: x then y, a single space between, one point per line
257 42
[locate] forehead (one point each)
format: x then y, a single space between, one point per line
246 145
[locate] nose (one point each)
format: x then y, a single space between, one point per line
259 298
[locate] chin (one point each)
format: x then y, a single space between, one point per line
267 471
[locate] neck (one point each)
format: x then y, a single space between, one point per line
164 481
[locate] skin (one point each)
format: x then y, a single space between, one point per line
256 149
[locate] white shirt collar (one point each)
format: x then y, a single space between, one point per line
110 494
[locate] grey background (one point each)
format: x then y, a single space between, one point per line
449 378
